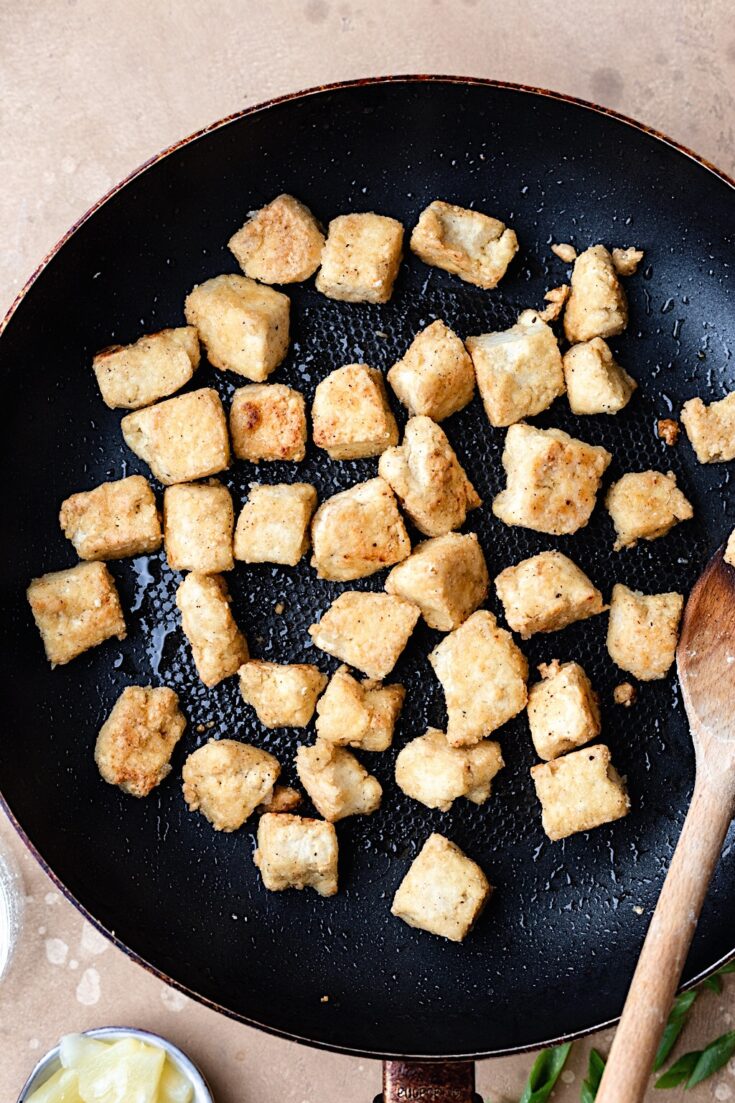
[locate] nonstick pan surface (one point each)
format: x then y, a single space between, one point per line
555 950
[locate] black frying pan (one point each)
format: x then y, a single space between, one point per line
555 951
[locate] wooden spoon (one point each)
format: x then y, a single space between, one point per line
706 664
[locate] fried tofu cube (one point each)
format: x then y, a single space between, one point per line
471 245
268 422
136 741
198 519
181 439
283 695
597 306
552 480
75 610
519 370
366 630
351 417
280 243
295 853
579 791
273 526
645 505
112 521
361 258
435 377
596 383
218 646
243 325
546 593
337 784
226 781
446 577
563 709
711 429
730 549
358 714
154 367
430 770
428 479
643 631
358 532
626 261
443 892
282 799
483 674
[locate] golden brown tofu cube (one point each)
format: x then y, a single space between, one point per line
131 376
472 245
218 646
273 526
645 505
358 532
643 631
730 549
579 791
226 781
428 479
295 853
181 439
711 429
361 258
242 324
280 243
112 521
597 306
443 892
483 674
365 630
545 593
446 577
563 709
430 770
596 383
435 377
268 422
75 610
552 480
351 417
136 741
337 784
198 520
283 695
358 714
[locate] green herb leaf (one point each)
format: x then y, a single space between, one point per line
680 1071
717 1054
714 983
544 1074
676 1022
594 1076
729 968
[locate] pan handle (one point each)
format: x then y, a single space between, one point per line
428 1082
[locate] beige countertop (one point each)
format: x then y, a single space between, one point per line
87 92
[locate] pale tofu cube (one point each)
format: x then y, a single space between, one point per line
295 853
730 549
226 781
136 741
273 526
597 306
351 417
446 577
280 243
428 479
181 439
198 520
711 429
361 258
368 631
472 245
283 695
337 784
430 770
76 609
268 422
243 325
519 370
596 383
579 791
358 532
483 674
218 646
552 480
435 377
643 631
546 593
358 714
645 505
563 709
443 892
154 367
112 521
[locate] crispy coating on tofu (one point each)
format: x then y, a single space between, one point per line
668 430
136 741
295 853
282 799
75 610
596 383
579 791
435 376
218 646
730 550
337 784
597 306
273 526
443 892
268 422
131 376
283 694
280 243
552 480
565 252
711 429
556 300
643 631
626 261
563 709
430 770
645 505
114 520
358 714
358 532
226 781
351 418
446 577
471 245
361 258
625 694
198 519
428 479
181 439
546 593
243 325
483 674
366 630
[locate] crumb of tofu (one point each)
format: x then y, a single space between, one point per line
273 526
351 417
366 630
430 770
361 258
154 367
643 631
626 261
218 646
471 245
556 297
625 694
563 709
435 376
730 549
282 799
645 505
358 532
545 593
135 743
76 609
337 784
358 714
638 909
711 429
579 791
268 422
446 577
565 252
280 243
443 892
668 430
115 520
182 439
283 695
596 383
226 781
295 852
198 522
597 306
